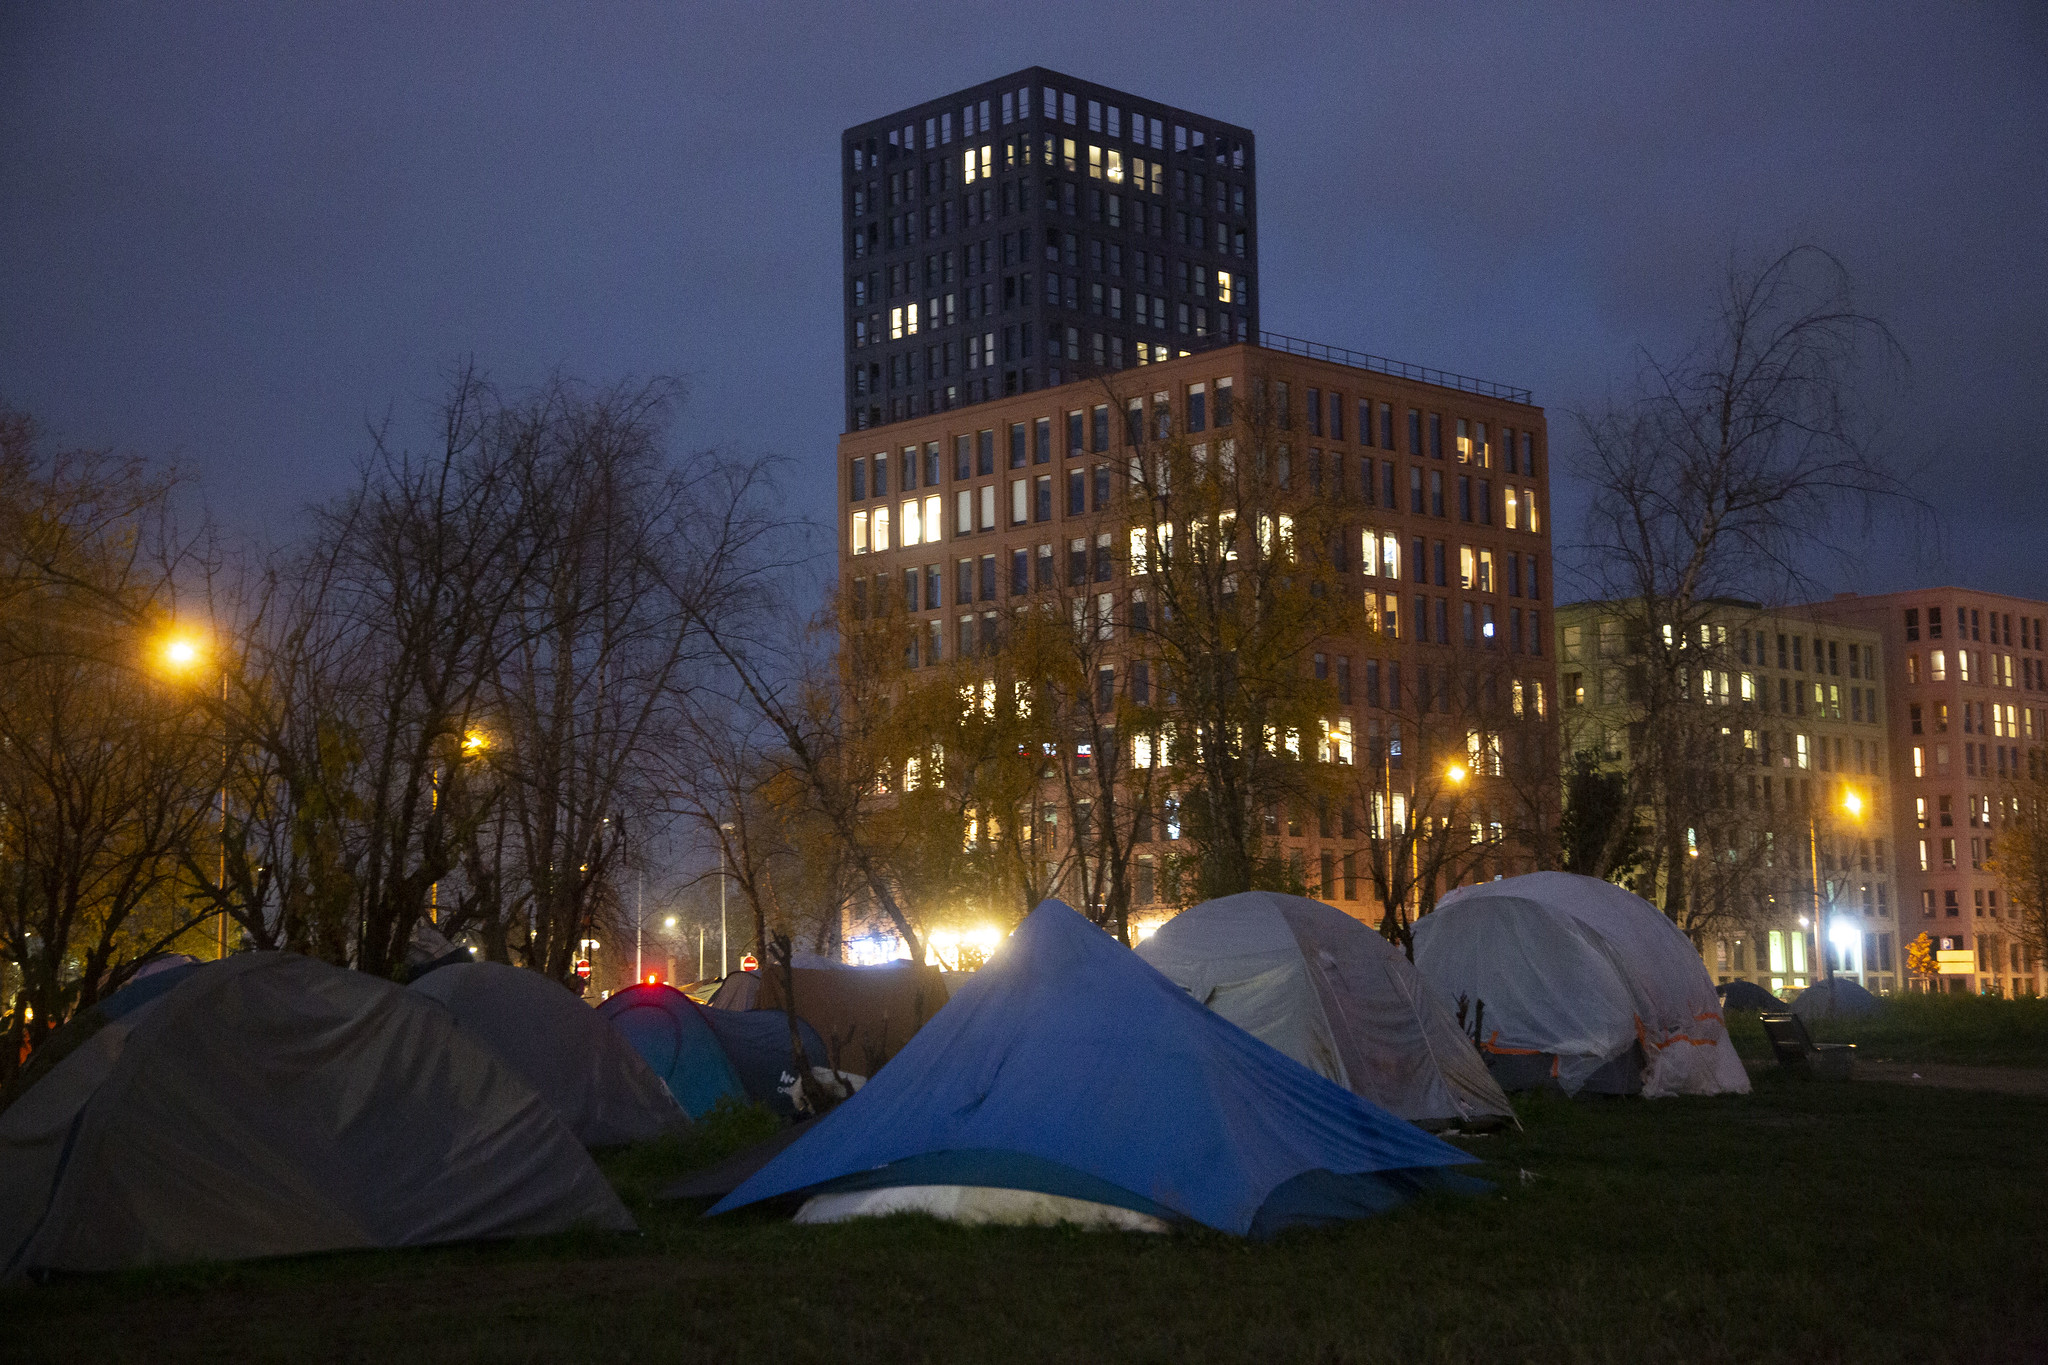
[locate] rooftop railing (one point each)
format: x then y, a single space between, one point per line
1401 369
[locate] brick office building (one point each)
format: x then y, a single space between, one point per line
1967 682
958 516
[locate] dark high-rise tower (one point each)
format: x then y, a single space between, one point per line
1033 230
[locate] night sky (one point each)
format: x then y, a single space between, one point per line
230 235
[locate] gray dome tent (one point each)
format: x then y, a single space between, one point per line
1837 998
271 1105
1313 982
1747 995
574 1056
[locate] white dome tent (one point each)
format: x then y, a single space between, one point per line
1326 990
1587 979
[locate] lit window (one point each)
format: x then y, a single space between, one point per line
1514 509
1799 749
1937 666
913 524
896 324
1337 740
860 533
910 320
933 518
881 528
1226 288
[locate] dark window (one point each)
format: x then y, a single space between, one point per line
1020 572
1042 509
1101 487
963 467
1415 502
1101 428
1437 553
1223 396
1043 451
1436 492
881 476
1436 436
1198 410
1343 680
1912 613
1018 455
857 487
1077 492
1418 557
988 578
985 459
1414 431
1075 438
1315 412
1464 497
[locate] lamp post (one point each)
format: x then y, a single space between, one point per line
1823 928
724 862
182 653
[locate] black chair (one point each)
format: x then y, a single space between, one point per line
1794 1047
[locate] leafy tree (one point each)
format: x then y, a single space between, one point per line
1601 832
1920 960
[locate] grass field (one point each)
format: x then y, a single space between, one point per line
1970 1029
1809 1222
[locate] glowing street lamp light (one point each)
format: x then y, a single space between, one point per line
181 652
1456 773
1841 936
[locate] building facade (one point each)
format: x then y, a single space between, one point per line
962 518
1793 849
1034 229
1967 715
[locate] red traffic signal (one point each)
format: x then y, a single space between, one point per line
583 968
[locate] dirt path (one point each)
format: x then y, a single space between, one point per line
2006 1080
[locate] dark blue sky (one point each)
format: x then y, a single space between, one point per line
230 234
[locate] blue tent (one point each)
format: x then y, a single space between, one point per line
704 1054
1070 1067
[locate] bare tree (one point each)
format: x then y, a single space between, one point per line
1721 477
107 763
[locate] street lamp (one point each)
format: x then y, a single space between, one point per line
724 862
1456 774
182 653
1828 938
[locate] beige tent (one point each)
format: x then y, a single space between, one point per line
576 1058
864 1014
271 1105
1321 987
